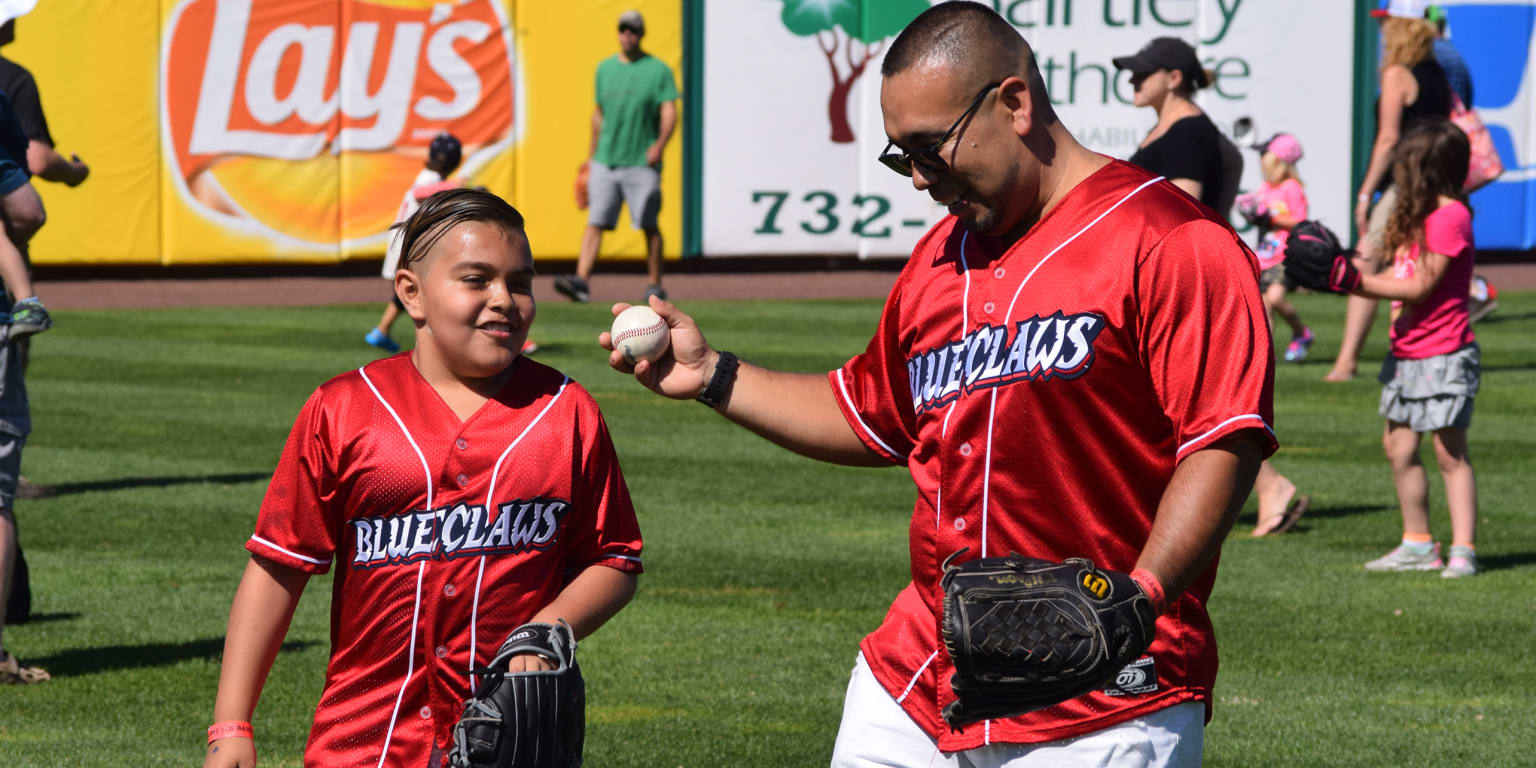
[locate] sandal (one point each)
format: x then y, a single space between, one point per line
13 672
1287 520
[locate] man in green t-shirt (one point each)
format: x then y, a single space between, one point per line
631 124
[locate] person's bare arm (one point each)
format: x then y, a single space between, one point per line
1194 188
668 123
1197 510
798 411
258 622
1396 83
588 602
1427 275
45 161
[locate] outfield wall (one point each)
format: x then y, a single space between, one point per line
226 131
222 131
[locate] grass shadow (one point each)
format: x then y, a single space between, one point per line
1502 562
86 661
40 618
122 483
1496 318
1343 510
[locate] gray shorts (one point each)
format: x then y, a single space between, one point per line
1432 393
10 467
639 187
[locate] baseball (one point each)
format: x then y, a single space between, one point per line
640 334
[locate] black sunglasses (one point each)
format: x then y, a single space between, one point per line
629 29
929 157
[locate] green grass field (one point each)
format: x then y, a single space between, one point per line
763 569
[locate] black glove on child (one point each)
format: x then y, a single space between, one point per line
534 719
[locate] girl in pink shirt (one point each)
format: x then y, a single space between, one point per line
1433 371
1279 204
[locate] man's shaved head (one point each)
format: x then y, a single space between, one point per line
966 38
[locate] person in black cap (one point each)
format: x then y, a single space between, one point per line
1184 146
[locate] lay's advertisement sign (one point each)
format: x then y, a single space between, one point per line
289 130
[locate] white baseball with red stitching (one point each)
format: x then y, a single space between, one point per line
640 334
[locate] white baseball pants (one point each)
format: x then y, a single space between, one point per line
877 733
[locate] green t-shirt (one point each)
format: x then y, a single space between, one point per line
631 95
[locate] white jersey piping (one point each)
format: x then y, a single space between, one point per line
915 676
843 387
1218 427
288 552
421 570
986 477
490 495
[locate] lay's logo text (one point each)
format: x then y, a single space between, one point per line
310 118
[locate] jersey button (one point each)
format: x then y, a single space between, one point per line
449 589
999 272
989 307
426 713
959 523
461 443
965 449
442 652
463 479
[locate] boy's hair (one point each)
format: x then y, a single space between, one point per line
447 209
1428 163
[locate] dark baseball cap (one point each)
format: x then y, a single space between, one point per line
1165 53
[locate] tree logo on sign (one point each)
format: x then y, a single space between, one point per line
869 22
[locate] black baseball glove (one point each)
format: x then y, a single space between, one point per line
1315 259
531 719
1025 634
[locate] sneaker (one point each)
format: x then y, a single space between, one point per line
13 672
655 290
1297 350
1483 299
530 346
28 317
1463 563
574 288
377 338
1405 559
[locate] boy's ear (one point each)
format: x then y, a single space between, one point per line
408 288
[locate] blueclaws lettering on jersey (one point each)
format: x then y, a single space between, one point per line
446 534
463 530
1057 346
1041 395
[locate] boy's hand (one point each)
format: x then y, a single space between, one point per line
231 752
681 373
529 662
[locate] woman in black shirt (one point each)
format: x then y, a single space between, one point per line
1184 146
1413 87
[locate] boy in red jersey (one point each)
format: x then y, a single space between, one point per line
463 489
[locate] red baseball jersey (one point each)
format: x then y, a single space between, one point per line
446 534
1041 398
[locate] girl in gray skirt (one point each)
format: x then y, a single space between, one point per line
1432 373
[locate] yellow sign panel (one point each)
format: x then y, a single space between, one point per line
288 130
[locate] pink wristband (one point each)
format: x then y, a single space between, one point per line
1154 590
229 728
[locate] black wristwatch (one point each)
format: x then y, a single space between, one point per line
720 383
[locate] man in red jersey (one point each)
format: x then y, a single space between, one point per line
1074 363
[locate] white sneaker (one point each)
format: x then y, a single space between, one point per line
1463 563
1405 559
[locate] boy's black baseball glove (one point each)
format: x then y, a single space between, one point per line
531 719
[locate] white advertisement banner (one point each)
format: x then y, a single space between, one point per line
792 120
